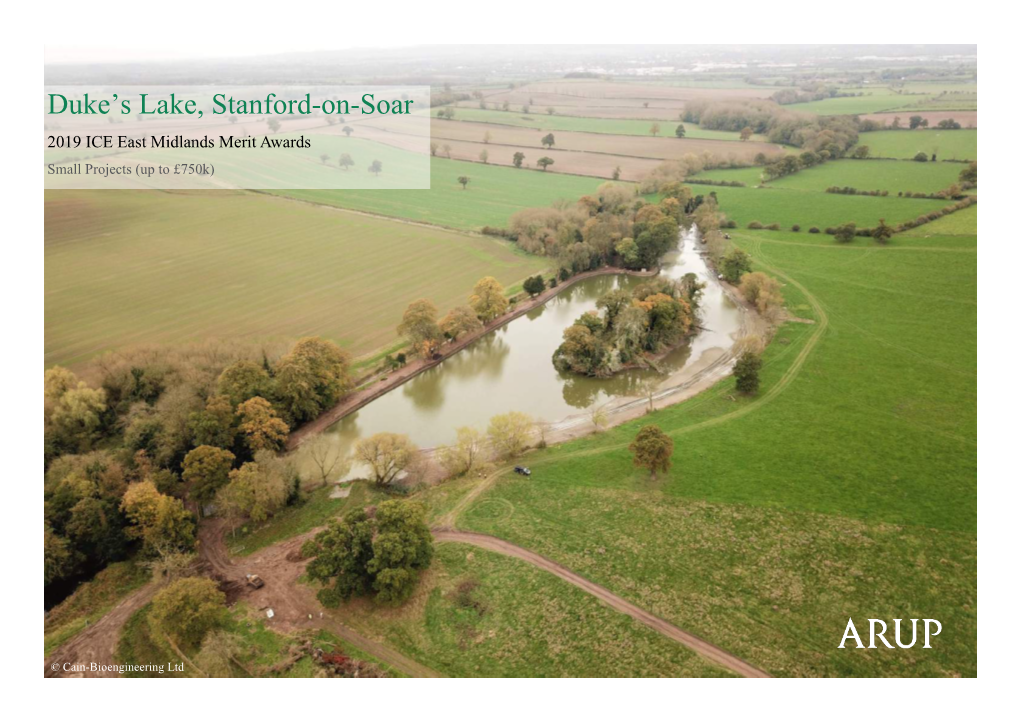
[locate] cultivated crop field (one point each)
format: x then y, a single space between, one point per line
491 197
847 488
948 144
125 268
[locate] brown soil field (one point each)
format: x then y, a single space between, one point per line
593 154
966 118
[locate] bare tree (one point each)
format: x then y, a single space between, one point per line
600 417
329 463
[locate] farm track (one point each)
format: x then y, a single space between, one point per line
98 643
294 605
703 648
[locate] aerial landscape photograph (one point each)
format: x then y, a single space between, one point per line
561 361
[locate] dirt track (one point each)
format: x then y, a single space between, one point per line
98 643
294 604
698 645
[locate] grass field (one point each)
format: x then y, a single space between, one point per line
948 144
539 118
892 175
847 488
124 268
481 614
875 101
821 209
963 222
492 196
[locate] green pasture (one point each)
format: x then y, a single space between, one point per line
539 119
946 144
846 488
492 195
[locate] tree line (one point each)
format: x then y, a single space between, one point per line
832 134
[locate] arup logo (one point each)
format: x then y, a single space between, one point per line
851 632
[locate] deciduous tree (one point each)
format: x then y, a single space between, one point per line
653 450
746 372
488 300
420 327
255 491
460 320
262 428
312 377
187 609
734 264
325 455
386 454
534 285
206 470
509 433
460 457
162 523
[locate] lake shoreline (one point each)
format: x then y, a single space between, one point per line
359 399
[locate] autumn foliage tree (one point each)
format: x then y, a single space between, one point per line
653 450
509 433
207 469
386 454
161 522
488 300
312 377
763 291
262 428
458 321
419 326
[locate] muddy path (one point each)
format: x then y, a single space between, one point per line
97 644
294 604
700 646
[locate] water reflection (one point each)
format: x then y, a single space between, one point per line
511 369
